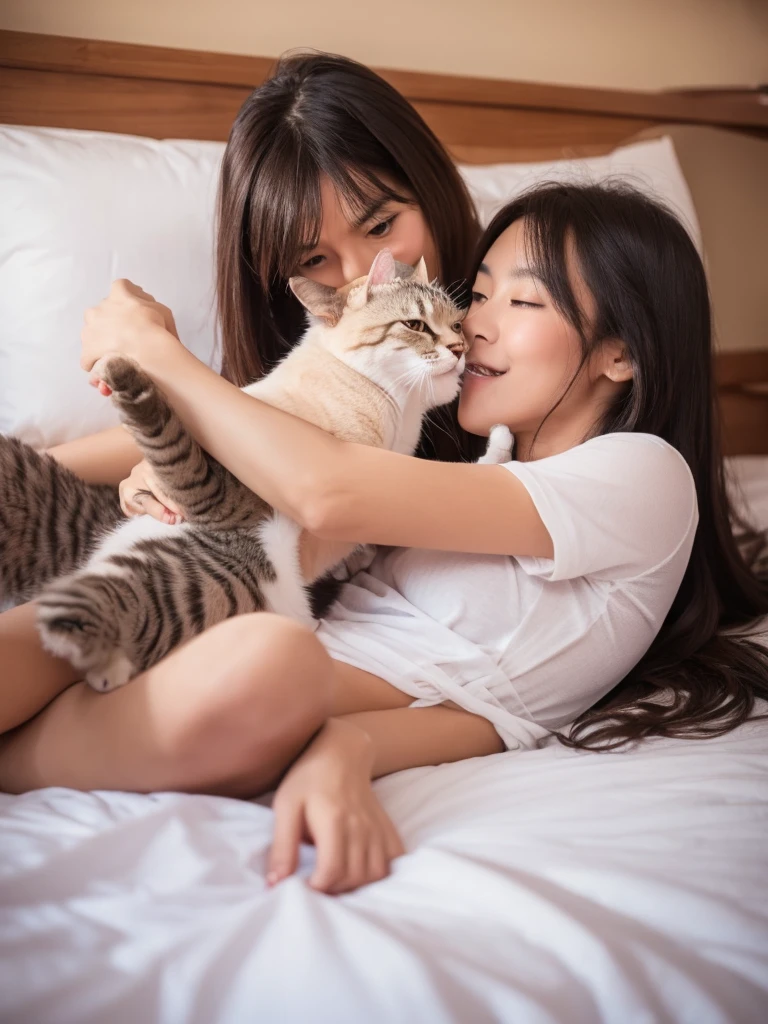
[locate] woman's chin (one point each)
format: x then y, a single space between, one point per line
473 420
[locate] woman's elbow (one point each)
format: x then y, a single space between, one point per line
324 515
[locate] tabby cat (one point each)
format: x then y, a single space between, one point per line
377 355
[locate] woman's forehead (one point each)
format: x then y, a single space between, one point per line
346 209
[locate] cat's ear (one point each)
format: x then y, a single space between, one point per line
383 271
420 272
318 299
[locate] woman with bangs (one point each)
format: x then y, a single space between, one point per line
582 586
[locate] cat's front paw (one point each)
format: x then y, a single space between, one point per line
123 376
501 442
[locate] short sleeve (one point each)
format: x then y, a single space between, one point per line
616 506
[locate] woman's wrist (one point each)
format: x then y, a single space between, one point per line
345 742
161 353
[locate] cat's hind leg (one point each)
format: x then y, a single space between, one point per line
207 493
82 618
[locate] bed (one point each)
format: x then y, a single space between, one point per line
549 886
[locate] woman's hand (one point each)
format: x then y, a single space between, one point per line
127 321
326 798
141 494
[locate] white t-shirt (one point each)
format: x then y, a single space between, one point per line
530 643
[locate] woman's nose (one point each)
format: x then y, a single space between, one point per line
354 266
479 326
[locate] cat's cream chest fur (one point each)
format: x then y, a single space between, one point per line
316 386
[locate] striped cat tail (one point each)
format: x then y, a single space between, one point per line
50 519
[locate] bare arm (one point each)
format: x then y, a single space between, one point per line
327 797
104 458
342 491
401 738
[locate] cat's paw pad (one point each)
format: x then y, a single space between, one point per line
122 376
501 442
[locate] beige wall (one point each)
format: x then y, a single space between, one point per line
643 44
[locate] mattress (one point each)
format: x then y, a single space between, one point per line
548 886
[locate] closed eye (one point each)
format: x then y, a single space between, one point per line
526 305
477 296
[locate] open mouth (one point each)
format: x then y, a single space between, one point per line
478 370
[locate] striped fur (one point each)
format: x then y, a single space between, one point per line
150 587
50 520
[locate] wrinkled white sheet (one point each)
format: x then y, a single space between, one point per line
538 887
549 886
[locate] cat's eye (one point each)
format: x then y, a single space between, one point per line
456 327
415 325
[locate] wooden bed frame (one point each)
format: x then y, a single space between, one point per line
65 82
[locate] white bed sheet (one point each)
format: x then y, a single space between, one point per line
538 887
548 886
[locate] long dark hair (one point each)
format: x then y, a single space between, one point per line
650 290
320 114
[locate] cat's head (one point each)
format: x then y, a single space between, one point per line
392 326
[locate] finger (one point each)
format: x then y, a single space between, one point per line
149 505
157 492
170 323
393 844
122 287
284 855
378 861
330 842
359 841
131 504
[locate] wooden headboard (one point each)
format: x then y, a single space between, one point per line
65 82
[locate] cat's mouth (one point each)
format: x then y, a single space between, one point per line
478 370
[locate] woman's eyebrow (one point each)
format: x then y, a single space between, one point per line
519 273
516 273
370 211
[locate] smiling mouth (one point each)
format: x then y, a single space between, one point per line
478 370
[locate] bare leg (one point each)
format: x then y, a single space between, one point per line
29 677
226 713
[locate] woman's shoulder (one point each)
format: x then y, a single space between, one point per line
642 458
657 483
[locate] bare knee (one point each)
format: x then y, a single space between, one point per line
267 693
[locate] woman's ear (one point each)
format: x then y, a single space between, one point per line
318 299
614 362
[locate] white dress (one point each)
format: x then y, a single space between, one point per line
530 643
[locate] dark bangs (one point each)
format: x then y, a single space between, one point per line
285 223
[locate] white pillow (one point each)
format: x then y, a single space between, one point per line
651 166
80 209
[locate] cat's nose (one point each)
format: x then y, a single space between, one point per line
458 347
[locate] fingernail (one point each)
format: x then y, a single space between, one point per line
272 878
